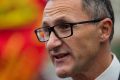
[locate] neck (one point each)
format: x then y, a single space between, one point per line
96 66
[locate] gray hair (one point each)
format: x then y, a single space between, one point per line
99 9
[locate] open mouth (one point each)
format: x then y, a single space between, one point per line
60 56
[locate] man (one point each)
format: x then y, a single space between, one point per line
78 34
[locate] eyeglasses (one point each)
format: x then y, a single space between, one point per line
63 30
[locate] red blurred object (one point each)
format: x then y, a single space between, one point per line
20 51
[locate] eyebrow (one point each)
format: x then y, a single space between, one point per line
62 19
44 24
59 20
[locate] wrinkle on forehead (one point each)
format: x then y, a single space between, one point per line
57 9
60 6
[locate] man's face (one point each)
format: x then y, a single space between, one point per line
75 53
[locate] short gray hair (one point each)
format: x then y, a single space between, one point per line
99 9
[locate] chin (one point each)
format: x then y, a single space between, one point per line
63 73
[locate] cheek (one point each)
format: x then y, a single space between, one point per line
84 45
83 48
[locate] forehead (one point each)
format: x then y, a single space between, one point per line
63 3
56 9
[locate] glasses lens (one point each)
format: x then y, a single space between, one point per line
63 30
43 34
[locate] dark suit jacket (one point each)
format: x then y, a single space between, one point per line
119 77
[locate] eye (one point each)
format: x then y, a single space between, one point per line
46 31
64 26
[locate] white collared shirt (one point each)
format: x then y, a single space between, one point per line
112 72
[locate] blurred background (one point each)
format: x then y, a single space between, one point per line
22 56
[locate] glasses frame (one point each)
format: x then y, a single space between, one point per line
51 29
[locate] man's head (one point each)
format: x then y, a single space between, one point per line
76 31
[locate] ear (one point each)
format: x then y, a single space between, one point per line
105 28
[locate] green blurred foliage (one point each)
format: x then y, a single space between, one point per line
116 49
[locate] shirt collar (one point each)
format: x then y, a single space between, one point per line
112 72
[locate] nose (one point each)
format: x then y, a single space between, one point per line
53 42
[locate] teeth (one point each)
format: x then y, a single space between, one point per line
60 56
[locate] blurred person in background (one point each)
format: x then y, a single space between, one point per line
78 35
